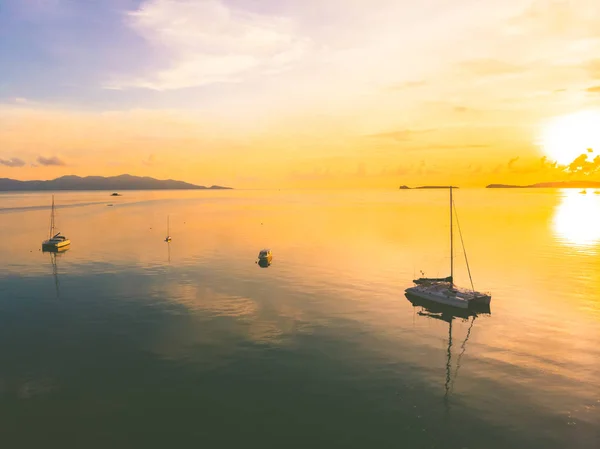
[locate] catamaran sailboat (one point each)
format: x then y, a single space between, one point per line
168 237
55 241
443 290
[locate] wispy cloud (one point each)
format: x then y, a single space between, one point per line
513 161
207 41
402 135
50 161
489 67
593 89
459 146
407 85
558 18
150 160
593 68
12 162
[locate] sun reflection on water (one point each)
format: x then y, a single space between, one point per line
576 220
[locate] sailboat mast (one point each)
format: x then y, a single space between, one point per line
52 219
451 241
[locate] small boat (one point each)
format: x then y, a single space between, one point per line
265 257
168 237
583 191
55 241
443 290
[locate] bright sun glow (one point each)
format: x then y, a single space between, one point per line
577 218
567 137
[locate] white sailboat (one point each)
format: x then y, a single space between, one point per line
55 241
168 237
443 290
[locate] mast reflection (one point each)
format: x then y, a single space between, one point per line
55 253
448 314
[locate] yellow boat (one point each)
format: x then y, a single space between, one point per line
265 257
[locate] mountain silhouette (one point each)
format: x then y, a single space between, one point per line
122 182
556 184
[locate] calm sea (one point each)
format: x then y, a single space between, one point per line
125 341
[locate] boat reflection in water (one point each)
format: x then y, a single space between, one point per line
436 311
264 263
55 253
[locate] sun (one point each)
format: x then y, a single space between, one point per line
567 137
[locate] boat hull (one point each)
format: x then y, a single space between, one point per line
265 261
55 245
436 307
440 297
483 300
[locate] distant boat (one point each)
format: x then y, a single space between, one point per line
115 194
583 191
168 237
443 290
265 256
55 241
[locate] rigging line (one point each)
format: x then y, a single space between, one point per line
463 245
463 348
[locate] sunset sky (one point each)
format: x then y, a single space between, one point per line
301 93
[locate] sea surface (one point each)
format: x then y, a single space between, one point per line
125 341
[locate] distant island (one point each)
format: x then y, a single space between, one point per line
427 187
122 182
553 185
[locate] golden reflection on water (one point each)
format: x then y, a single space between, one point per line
576 221
341 264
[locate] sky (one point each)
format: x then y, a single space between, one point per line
311 93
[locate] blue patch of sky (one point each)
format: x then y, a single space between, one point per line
66 53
